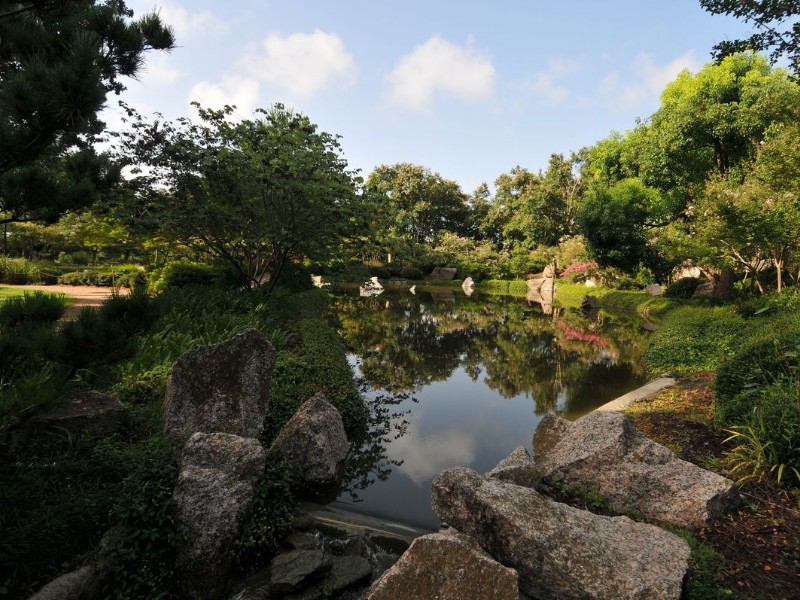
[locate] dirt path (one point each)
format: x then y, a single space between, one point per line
82 295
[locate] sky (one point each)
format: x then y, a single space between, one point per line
469 89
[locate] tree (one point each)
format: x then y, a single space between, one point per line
58 62
255 194
755 224
614 221
416 205
769 17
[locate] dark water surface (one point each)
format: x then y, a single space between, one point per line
457 380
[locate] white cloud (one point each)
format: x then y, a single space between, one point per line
646 79
301 64
424 457
438 65
545 86
235 90
188 24
156 70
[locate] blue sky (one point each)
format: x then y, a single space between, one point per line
468 89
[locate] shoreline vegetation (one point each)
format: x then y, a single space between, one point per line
120 478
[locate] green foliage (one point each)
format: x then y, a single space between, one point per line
182 273
91 340
19 271
253 194
683 287
768 17
270 517
113 276
703 581
614 222
134 312
412 273
769 356
33 308
140 550
694 338
58 62
768 444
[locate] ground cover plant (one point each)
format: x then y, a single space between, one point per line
73 489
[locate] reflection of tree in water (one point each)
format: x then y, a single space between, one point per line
407 342
369 461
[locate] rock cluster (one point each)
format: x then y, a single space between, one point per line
604 453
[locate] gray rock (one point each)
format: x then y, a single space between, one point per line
447 567
214 488
517 468
221 388
85 583
704 290
468 285
302 540
604 453
94 413
346 572
295 570
558 551
446 273
314 441
653 289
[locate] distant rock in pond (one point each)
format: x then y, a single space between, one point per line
444 273
468 285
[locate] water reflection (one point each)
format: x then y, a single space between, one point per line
467 379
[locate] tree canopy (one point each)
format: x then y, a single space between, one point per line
58 62
769 17
255 194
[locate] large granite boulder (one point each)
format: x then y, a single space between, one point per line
448 566
517 468
221 387
85 583
560 552
215 486
314 441
704 290
604 453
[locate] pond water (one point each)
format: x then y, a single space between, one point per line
457 380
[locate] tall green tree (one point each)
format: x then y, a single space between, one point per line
59 60
778 28
414 206
255 194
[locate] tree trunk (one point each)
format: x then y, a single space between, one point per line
723 286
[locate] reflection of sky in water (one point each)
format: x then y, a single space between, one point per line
458 422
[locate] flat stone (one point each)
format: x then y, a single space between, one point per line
447 567
295 570
92 412
346 572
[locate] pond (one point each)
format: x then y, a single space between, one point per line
458 380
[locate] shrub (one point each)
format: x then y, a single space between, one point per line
683 288
769 357
117 276
18 271
134 312
91 340
411 273
36 307
379 272
182 273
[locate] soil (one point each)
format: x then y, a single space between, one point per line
756 550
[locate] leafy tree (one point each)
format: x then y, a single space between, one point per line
769 19
58 62
756 223
415 206
614 222
255 194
